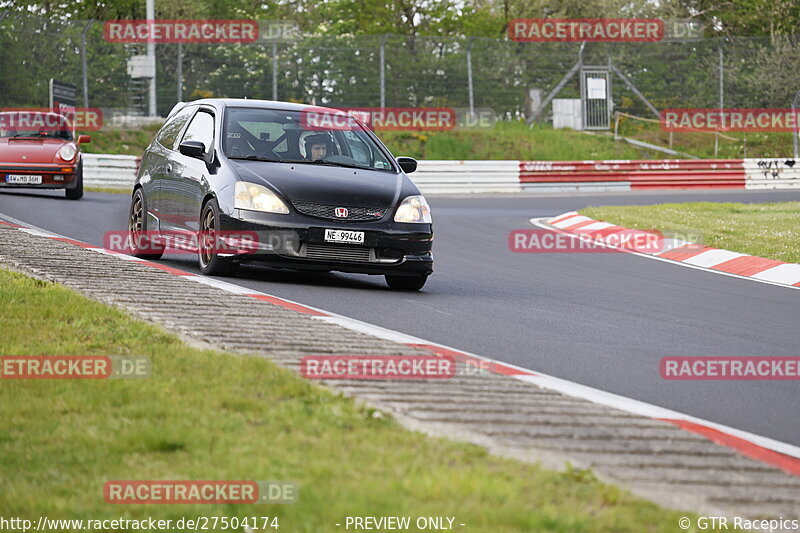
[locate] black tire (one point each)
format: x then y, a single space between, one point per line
211 264
77 192
143 247
406 283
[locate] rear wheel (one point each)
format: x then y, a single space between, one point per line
211 264
141 243
406 283
77 192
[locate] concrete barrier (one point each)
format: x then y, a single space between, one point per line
772 173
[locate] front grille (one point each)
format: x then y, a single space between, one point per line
329 211
338 252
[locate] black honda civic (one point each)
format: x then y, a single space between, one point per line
286 185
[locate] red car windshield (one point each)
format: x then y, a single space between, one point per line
33 124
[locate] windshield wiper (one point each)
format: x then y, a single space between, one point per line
327 163
253 157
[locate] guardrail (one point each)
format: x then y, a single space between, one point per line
643 174
113 171
467 177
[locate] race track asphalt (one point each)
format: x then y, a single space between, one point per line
603 320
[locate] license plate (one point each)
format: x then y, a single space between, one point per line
24 179
340 235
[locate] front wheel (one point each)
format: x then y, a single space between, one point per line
77 192
211 264
406 283
142 244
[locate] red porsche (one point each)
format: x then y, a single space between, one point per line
38 150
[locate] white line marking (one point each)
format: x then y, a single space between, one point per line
25 225
224 285
112 253
38 233
371 329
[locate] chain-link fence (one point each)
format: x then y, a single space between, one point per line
418 71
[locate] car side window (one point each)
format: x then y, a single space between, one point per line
363 153
359 149
201 129
168 135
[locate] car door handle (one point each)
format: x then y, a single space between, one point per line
169 168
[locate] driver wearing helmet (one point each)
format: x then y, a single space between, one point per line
317 146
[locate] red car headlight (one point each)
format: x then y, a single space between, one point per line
67 152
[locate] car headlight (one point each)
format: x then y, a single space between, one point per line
413 209
258 198
67 152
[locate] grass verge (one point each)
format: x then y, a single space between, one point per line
511 140
770 230
121 141
735 145
517 141
205 414
506 140
111 190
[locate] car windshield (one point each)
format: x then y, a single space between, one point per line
33 124
299 137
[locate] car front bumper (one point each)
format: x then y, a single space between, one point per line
297 241
53 176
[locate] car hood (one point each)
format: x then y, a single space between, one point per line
322 184
29 150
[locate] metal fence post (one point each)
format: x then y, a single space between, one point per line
84 67
721 99
274 71
469 79
795 132
180 72
150 7
383 73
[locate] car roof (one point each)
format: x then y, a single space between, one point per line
221 103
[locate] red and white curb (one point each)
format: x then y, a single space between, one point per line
779 454
684 253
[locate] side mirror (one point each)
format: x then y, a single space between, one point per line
408 164
84 139
192 149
